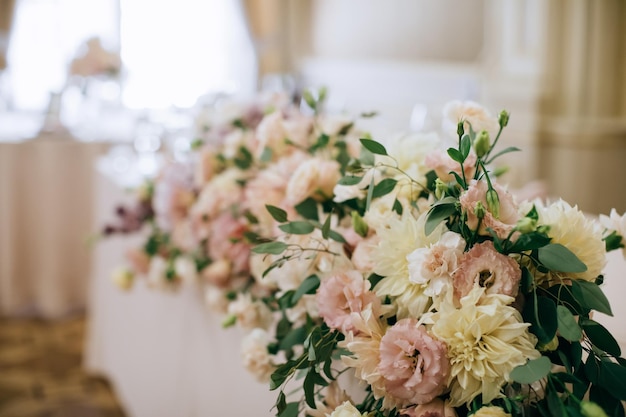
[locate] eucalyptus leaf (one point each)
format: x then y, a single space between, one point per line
589 295
384 187
308 209
437 214
274 248
568 327
558 258
612 377
349 180
326 227
308 286
277 213
502 152
297 227
336 236
540 312
373 146
532 371
291 410
601 337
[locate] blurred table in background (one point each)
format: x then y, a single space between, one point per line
45 223
164 352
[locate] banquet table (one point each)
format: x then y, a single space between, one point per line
45 223
164 352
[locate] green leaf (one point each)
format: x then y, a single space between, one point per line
384 187
558 258
350 180
455 155
336 237
438 213
309 388
373 146
308 286
397 207
466 145
589 295
568 327
601 337
308 209
291 410
612 377
274 248
267 154
529 241
294 337
532 371
326 227
277 213
297 227
281 402
540 312
502 152
613 241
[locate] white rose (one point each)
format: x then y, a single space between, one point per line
346 410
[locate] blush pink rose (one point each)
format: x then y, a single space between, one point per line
314 178
226 242
483 265
435 408
508 217
442 164
414 365
341 295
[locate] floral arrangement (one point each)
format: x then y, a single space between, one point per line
395 279
95 61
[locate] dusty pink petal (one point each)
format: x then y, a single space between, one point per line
483 265
226 242
435 408
508 217
343 294
413 364
442 164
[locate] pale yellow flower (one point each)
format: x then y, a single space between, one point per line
403 235
346 410
485 342
365 347
491 411
580 234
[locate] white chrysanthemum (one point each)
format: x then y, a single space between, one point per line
255 356
403 235
571 228
485 343
616 223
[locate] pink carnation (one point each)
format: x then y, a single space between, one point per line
484 266
441 162
413 364
508 216
343 294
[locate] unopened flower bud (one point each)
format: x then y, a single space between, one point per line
552 345
479 210
591 409
544 228
493 203
503 118
482 143
460 128
441 188
526 225
359 224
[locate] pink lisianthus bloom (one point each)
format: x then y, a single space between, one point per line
276 132
442 164
342 294
435 408
362 255
413 364
502 224
484 266
314 178
226 242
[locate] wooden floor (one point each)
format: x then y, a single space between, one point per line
41 372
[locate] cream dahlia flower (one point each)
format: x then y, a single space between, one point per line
571 228
403 235
485 342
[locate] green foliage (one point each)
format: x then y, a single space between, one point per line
532 371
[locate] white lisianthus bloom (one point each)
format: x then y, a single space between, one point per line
580 234
123 278
433 266
215 299
479 117
250 314
185 268
486 340
401 238
616 223
346 410
256 358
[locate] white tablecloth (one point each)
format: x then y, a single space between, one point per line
165 353
45 222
